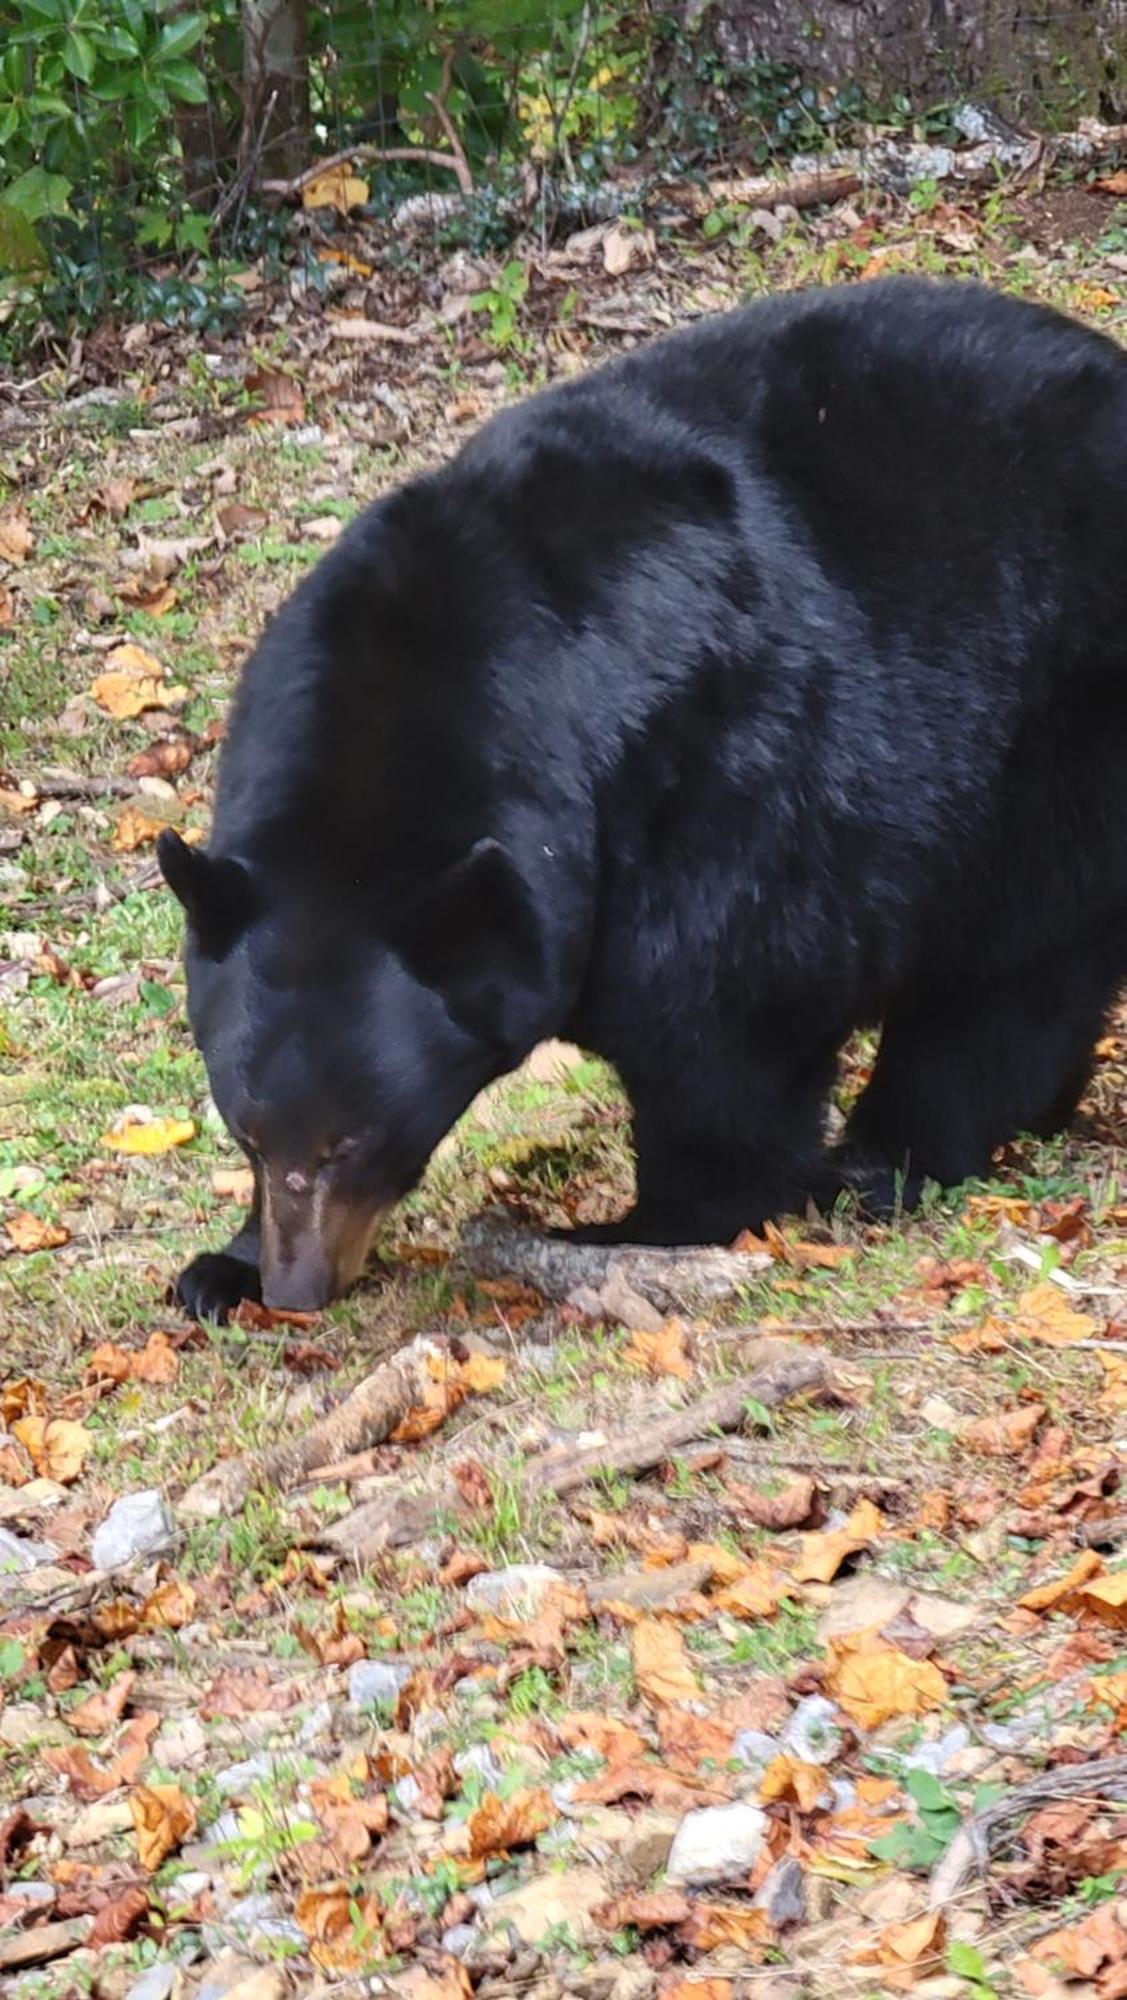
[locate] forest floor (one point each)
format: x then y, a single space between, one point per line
817 1682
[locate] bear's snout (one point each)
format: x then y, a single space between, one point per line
313 1241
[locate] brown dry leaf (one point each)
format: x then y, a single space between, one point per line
149 592
907 1951
822 1555
735 1926
13 1472
873 1681
92 1781
1081 1950
1105 1598
57 1446
663 1353
755 1594
1044 1314
499 1825
1007 1434
158 1361
108 1363
450 1981
335 187
15 804
589 1729
163 1818
101 1711
234 1695
343 1929
788 1778
688 1740
236 519
7 607
166 758
789 1508
645 1909
16 537
1113 183
113 497
1046 1595
29 1233
120 1919
133 681
168 1607
233 1183
282 401
135 829
138 1136
698 1989
661 1663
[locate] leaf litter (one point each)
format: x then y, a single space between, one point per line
843 1643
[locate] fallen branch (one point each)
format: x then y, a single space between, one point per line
969 1852
367 1416
668 1279
783 1370
796 191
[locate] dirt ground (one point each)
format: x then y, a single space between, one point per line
753 1626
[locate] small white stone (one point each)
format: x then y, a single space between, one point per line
520 1588
139 1524
716 1844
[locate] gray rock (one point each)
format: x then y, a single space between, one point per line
457 1940
317 1724
755 1749
936 1756
716 1844
520 1588
783 1894
155 1983
139 1524
260 1918
405 1795
33 1892
18 1553
479 1757
813 1734
372 1681
236 1780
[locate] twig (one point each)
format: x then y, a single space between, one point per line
797 191
668 1279
437 100
1102 1778
424 155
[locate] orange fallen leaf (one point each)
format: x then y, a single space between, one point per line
907 1951
92 1781
158 1361
343 1928
16 537
29 1233
133 680
281 399
499 1825
134 829
688 1740
821 1555
480 1374
1044 1314
733 1926
662 1353
101 1711
698 1989
645 1909
661 1663
1081 1950
1046 1595
163 1818
791 1507
57 1446
233 1183
1007 1434
1113 183
800 1784
335 187
589 1729
873 1682
108 1363
143 1136
1105 1598
756 1594
1089 297
169 1606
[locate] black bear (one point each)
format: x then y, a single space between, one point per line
765 682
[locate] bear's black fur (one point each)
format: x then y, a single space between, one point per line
768 681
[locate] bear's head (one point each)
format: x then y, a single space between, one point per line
342 1045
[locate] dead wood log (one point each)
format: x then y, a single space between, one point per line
671 1280
781 1369
367 1416
969 1852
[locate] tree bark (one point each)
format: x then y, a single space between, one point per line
275 85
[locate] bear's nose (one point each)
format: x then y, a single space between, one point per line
302 1287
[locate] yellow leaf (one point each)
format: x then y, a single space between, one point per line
169 1606
57 1446
148 1135
1094 298
822 1555
790 1779
343 1928
335 188
1044 1314
907 1951
233 1183
135 829
873 1682
755 1594
661 1663
29 1232
1105 1597
662 1353
500 1824
133 681
1046 1595
481 1373
163 1817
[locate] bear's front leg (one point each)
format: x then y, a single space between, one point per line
216 1282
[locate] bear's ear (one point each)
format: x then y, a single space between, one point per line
477 937
216 894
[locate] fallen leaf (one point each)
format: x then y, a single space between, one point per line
157 1362
281 400
7 607
498 1825
733 1926
873 1682
101 1711
1089 297
793 1781
907 1951
1044 1314
233 1183
645 1909
108 1363
661 1663
343 1928
1113 183
166 758
1106 1598
336 187
789 1508
821 1555
698 1989
92 1781
113 497
16 538
688 1740
1005 1435
1081 1950
168 1607
755 1594
663 1353
626 249
133 681
163 1818
29 1233
585 1729
136 1135
481 1373
1046 1595
134 829
57 1446
120 1919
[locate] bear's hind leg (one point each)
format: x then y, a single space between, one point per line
724 1145
958 1075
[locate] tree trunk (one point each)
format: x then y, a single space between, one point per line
275 85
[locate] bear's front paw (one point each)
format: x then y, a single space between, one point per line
211 1286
